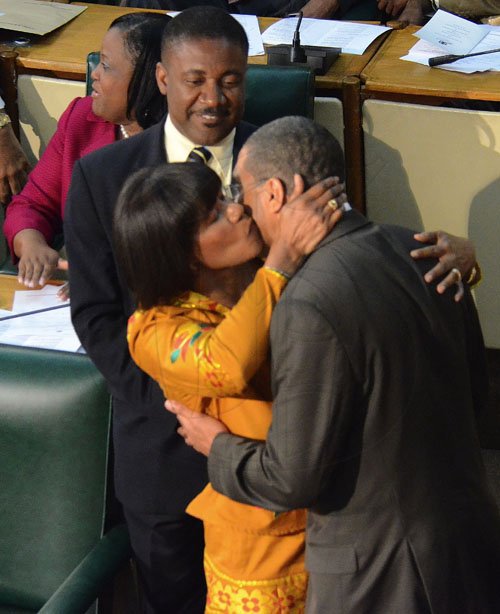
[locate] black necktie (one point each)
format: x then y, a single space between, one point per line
199 154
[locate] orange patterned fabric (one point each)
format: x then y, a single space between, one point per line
215 360
285 595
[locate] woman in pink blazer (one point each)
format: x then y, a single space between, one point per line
124 101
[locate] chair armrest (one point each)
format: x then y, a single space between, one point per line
81 588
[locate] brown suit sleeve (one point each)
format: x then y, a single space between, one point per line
314 393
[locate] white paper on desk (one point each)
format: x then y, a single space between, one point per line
422 51
36 16
351 37
29 300
250 24
51 330
452 34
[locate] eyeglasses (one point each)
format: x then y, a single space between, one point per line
235 192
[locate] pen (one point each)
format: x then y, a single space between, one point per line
31 313
447 59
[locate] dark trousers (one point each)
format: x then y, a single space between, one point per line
169 557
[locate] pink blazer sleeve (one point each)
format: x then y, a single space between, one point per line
40 205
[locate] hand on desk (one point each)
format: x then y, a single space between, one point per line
14 167
198 430
37 260
453 253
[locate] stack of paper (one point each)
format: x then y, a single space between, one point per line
49 327
448 34
350 37
36 16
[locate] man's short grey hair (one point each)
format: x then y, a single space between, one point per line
294 145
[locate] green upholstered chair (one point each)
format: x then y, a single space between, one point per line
6 265
276 91
271 91
54 434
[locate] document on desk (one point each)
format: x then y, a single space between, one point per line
36 16
350 37
250 24
42 322
448 34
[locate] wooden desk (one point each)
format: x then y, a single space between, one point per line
9 285
63 53
386 76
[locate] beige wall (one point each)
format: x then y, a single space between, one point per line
431 167
328 113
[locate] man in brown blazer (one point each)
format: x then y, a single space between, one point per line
376 383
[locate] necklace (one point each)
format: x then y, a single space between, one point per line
124 133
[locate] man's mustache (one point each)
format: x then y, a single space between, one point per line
216 112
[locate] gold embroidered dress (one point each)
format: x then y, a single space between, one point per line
214 360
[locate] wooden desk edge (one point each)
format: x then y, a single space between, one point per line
374 87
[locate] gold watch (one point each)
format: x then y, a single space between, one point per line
4 119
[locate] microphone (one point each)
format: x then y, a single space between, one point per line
448 59
297 53
318 59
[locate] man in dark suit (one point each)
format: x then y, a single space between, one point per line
204 59
376 381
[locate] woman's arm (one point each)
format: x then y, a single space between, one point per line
38 209
219 360
207 359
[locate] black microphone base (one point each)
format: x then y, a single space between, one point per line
318 59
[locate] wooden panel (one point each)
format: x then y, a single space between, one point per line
430 167
42 100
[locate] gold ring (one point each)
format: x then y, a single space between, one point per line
458 274
333 204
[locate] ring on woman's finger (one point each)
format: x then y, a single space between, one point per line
333 204
458 275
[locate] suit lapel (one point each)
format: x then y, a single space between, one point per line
243 131
150 149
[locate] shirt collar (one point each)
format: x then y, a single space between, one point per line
178 147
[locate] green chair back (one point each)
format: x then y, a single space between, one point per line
275 91
6 265
271 91
54 432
